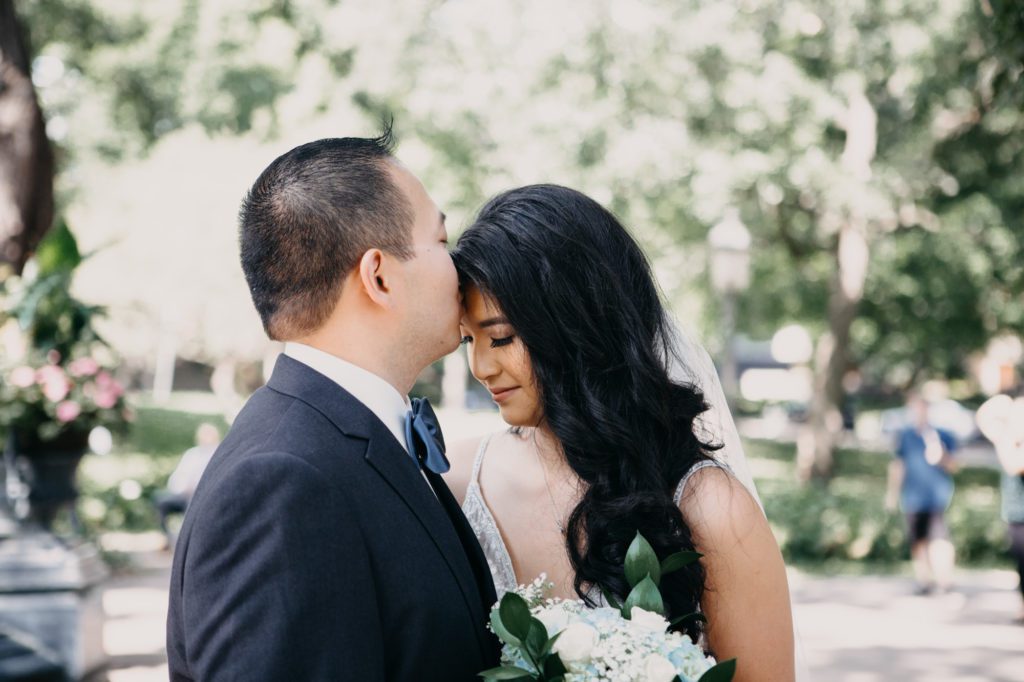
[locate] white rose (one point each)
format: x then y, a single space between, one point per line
555 619
648 620
575 643
657 668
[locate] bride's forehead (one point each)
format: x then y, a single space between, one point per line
479 306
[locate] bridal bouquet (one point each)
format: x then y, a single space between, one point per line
562 640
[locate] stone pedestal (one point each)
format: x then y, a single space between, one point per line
49 593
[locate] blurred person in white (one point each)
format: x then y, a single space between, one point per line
182 483
1001 419
609 435
920 478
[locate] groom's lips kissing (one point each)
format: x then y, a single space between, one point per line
502 394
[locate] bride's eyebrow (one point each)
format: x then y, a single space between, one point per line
491 322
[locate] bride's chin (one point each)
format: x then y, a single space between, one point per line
510 417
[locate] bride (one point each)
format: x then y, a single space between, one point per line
566 329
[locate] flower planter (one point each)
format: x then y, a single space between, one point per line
41 474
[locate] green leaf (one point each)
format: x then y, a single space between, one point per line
723 672
536 640
499 629
641 561
646 596
505 672
515 615
674 562
58 251
550 644
553 668
696 615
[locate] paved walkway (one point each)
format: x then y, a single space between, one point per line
853 628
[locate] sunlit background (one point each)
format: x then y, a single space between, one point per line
831 194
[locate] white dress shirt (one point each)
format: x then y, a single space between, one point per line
379 396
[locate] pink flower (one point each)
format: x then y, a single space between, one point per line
54 382
23 377
68 411
106 398
83 367
105 383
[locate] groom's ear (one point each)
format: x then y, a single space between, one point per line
374 278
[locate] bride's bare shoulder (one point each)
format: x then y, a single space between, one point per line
720 510
462 455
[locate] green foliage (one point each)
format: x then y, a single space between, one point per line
145 455
641 562
514 625
103 506
723 672
166 433
644 595
138 72
50 316
847 521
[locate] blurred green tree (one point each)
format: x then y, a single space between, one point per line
114 79
873 148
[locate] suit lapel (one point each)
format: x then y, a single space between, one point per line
471 545
396 467
443 522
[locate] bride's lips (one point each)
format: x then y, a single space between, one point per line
502 394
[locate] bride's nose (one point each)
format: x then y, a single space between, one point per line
482 363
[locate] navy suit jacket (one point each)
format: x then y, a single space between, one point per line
314 550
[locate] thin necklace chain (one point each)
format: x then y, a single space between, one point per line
551 497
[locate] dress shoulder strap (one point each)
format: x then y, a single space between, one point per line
703 464
475 475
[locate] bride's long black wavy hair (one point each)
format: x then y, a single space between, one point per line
579 293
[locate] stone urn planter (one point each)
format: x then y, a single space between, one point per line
41 474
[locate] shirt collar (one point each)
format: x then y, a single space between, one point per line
375 393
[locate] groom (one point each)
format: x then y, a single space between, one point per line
321 543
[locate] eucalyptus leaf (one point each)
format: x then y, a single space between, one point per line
507 672
696 615
550 644
723 672
646 596
536 640
641 561
515 615
674 562
499 629
553 668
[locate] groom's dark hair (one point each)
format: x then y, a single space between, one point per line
309 218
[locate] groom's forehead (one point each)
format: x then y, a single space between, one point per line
414 191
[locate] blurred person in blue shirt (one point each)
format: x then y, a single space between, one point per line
921 477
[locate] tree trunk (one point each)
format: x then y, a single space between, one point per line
26 159
832 357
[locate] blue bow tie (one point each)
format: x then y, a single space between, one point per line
423 437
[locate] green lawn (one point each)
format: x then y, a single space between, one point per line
847 521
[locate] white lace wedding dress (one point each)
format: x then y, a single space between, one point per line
486 528
687 361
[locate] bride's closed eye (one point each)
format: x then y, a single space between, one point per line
495 343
